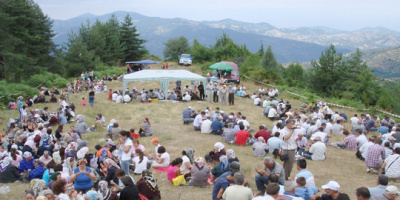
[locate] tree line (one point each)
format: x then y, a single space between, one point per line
331 76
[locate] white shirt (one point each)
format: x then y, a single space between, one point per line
187 97
183 168
318 123
206 126
361 140
139 167
320 134
289 144
318 150
245 124
166 157
264 103
364 148
328 128
272 112
119 99
354 121
257 101
198 120
127 156
114 96
337 129
127 98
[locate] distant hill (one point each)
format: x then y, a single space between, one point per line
158 30
384 62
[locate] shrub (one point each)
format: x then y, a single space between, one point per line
10 91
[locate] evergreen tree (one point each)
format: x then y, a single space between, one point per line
268 60
134 48
294 75
201 53
25 44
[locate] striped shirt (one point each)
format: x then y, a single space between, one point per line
350 142
374 153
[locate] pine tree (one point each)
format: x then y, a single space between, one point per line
129 38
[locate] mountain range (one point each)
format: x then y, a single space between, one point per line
300 44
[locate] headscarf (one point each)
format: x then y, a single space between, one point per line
150 180
57 157
111 162
46 192
92 195
4 162
199 161
103 190
82 143
67 165
37 185
112 121
27 154
64 144
219 145
230 153
224 160
190 154
40 163
78 117
71 146
82 152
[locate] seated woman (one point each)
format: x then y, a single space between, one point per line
174 169
147 186
9 173
230 153
137 145
107 193
38 171
83 177
187 157
221 167
26 163
218 151
130 190
199 173
139 162
111 178
115 131
163 159
145 128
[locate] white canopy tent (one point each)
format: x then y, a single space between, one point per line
164 76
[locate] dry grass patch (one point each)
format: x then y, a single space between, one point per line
166 120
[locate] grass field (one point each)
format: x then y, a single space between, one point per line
165 117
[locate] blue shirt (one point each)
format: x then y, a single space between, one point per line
25 165
308 176
217 125
221 183
83 181
274 143
63 119
383 129
306 192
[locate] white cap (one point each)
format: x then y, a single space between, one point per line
367 115
332 185
391 189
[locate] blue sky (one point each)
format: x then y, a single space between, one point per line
339 14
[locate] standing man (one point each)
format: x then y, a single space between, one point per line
209 90
231 96
222 94
201 90
289 146
215 92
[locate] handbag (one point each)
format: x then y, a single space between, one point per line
179 180
284 157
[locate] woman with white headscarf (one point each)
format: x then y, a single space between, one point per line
230 153
26 163
110 126
9 173
217 152
221 167
69 165
105 192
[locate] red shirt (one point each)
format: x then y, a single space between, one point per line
135 135
241 137
264 133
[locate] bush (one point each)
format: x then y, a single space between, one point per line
10 91
109 71
48 79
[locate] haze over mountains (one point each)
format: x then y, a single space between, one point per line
300 44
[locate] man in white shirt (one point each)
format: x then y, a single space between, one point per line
317 150
361 139
272 114
127 98
364 148
198 120
206 125
238 191
324 137
354 120
246 124
337 129
114 96
289 146
327 128
119 99
257 101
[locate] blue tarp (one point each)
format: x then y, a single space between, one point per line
144 62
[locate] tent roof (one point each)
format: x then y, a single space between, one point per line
232 64
154 75
145 62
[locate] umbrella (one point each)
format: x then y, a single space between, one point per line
221 66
